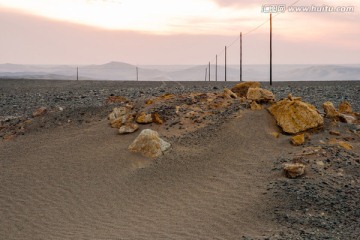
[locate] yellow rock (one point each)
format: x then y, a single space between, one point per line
241 89
342 144
330 110
298 140
275 134
229 94
116 99
295 116
260 95
149 102
118 112
345 107
116 123
157 119
167 96
144 118
129 127
294 170
255 106
345 145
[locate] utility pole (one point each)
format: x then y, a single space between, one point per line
270 49
240 56
225 63
137 74
209 72
216 70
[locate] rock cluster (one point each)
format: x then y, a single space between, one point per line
186 112
344 113
122 118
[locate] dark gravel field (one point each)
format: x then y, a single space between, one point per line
323 204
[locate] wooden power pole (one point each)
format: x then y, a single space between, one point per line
270 49
241 57
225 63
216 69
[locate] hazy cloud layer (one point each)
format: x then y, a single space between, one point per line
298 38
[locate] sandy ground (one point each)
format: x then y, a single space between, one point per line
79 181
82 183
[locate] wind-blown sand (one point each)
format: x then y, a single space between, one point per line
79 181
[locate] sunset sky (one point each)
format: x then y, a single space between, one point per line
174 32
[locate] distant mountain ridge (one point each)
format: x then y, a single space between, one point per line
125 71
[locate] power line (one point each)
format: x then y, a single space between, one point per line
250 31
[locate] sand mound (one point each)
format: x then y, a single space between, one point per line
83 183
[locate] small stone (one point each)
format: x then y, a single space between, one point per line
275 134
9 137
336 133
157 119
345 107
345 118
260 95
241 89
330 110
128 128
255 106
177 110
117 112
320 163
116 123
311 150
229 94
298 140
116 99
39 112
167 96
149 102
294 170
292 98
345 145
144 118
342 144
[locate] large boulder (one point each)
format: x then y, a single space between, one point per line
241 89
295 116
149 144
260 95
